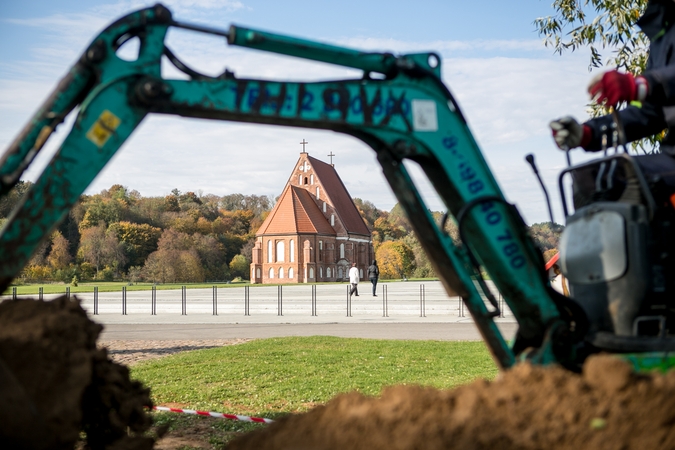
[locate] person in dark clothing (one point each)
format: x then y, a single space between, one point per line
374 275
651 95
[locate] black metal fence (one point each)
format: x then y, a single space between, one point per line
328 304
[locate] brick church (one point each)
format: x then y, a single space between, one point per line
314 233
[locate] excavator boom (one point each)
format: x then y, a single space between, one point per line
399 107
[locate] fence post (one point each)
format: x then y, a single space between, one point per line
314 300
215 301
349 302
423 301
247 301
14 293
124 300
41 293
461 307
184 301
385 299
153 301
95 300
280 300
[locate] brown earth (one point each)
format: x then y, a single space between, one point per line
608 407
55 382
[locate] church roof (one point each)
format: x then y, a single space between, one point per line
340 198
296 213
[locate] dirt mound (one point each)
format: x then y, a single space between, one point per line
608 407
55 383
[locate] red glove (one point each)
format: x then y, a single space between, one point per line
615 87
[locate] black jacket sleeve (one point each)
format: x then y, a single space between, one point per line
638 123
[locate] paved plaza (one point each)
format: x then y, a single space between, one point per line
402 310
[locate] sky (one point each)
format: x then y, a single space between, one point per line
508 84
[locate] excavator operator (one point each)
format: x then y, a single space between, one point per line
651 95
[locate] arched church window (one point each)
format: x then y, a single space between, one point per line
271 274
290 273
280 251
291 251
269 252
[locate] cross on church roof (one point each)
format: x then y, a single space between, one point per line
331 157
303 145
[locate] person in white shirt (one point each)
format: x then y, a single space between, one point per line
354 280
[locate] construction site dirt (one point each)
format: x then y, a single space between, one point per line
56 383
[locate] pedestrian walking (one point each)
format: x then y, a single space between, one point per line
354 280
374 275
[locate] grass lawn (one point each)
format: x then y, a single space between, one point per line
272 377
116 286
110 286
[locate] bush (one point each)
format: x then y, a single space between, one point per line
106 274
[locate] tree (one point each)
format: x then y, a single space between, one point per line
59 256
395 259
612 27
239 267
546 235
139 240
100 248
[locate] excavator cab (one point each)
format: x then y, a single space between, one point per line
618 250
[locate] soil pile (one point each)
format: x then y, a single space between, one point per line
607 407
55 383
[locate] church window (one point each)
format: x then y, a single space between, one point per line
280 251
290 273
271 273
324 206
311 179
291 251
281 272
269 252
332 220
317 193
257 273
328 272
311 273
342 250
320 250
340 273
305 180
360 273
321 272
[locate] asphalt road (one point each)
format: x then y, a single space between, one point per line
407 331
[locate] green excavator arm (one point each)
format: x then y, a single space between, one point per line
399 107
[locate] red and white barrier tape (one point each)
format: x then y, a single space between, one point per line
214 414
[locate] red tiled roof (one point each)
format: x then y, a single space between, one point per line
340 198
295 212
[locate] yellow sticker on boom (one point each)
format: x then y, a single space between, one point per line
103 128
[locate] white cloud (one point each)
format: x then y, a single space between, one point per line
508 101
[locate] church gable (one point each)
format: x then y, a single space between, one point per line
294 213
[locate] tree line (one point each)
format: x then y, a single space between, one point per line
193 237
